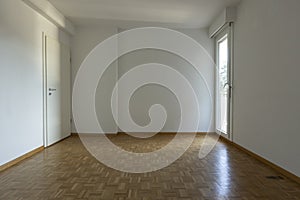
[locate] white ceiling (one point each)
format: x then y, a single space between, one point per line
128 13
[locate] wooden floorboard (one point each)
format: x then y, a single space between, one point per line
67 171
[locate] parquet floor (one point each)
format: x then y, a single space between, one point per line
67 171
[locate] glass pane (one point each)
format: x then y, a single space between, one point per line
223 92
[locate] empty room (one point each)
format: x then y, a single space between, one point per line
149 100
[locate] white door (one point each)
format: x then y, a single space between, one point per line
223 83
57 88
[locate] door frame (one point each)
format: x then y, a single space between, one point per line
227 29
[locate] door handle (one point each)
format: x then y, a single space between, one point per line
226 85
229 89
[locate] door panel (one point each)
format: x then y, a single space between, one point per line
57 61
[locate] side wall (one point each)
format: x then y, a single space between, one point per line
266 110
21 78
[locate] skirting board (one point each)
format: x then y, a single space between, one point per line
263 160
19 159
173 132
76 134
92 134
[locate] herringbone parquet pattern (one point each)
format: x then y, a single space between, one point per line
67 171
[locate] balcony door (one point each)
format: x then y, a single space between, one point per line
223 83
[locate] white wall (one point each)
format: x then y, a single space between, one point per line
21 116
266 108
86 38
149 95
